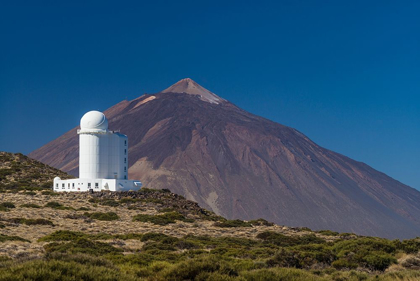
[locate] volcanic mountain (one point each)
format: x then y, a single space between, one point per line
240 165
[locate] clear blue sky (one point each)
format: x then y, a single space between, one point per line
345 73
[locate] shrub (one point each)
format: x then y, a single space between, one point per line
328 233
50 193
30 193
31 221
286 241
58 206
63 235
379 261
4 238
410 246
370 252
9 205
191 269
261 222
109 202
62 270
38 222
153 236
232 223
344 264
110 216
5 206
83 245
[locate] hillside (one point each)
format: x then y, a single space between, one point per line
19 172
159 235
239 165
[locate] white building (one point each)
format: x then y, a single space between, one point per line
103 158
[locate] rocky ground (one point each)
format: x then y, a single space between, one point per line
74 205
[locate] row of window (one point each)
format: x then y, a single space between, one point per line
63 185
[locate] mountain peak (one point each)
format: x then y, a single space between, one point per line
189 86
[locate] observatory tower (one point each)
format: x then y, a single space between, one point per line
103 158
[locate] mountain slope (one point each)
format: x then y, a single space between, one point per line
244 166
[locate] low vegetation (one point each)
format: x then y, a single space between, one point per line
57 206
4 238
164 219
271 256
6 206
30 221
110 216
21 173
215 249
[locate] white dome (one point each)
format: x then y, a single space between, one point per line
94 120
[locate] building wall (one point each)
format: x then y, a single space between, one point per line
93 153
82 185
103 155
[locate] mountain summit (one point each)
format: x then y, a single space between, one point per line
244 166
188 86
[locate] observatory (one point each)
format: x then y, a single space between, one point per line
103 158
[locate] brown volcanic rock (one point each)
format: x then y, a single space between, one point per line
244 166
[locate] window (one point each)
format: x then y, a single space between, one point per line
96 185
125 151
73 185
68 185
125 143
125 160
125 168
88 184
63 185
56 185
125 177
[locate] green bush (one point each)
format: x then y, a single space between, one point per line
344 264
287 241
110 216
9 205
378 261
63 235
410 246
328 233
261 222
62 270
4 238
57 206
50 193
197 268
30 221
5 206
232 223
83 245
370 252
67 235
109 202
38 222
